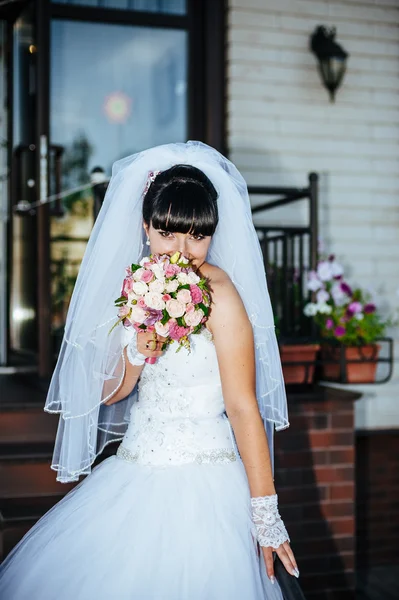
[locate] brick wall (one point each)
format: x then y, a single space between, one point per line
281 125
377 498
315 476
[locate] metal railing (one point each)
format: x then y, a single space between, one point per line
289 252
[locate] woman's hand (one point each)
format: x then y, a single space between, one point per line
286 556
150 344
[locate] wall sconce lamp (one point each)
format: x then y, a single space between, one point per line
331 58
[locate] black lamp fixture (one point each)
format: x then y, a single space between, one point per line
331 56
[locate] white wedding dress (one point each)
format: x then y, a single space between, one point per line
167 518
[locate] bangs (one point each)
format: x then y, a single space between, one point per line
185 208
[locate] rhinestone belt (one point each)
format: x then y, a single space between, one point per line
216 456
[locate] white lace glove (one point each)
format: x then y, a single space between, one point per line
270 528
129 340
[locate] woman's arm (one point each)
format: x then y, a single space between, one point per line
132 372
233 337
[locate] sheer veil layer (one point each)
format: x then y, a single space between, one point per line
91 360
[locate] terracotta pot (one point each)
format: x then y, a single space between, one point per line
298 353
354 372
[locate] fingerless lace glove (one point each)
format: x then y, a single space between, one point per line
130 341
270 528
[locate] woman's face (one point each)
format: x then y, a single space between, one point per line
193 247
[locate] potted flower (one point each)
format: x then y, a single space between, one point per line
348 323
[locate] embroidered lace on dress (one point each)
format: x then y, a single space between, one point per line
179 416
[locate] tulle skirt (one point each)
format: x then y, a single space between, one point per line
131 532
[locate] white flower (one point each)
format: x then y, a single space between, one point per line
137 274
359 316
313 283
322 296
140 288
310 309
183 278
158 271
323 308
156 286
194 318
138 315
184 260
171 286
175 308
336 269
154 300
144 260
162 330
324 270
193 278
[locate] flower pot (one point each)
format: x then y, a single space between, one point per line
362 371
302 357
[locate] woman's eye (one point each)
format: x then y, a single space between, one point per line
198 238
165 234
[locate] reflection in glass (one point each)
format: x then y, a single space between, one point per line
115 90
175 7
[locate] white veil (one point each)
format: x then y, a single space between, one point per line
91 360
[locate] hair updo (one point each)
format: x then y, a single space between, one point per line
182 199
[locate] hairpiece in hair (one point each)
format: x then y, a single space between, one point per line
152 175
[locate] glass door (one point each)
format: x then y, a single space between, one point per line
115 90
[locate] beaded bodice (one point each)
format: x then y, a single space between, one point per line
179 415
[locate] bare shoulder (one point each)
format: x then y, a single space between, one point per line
226 305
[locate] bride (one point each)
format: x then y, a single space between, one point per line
186 509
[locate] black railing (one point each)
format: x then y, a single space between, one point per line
289 252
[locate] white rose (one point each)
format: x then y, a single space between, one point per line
156 286
154 300
162 330
183 278
140 288
172 286
137 274
193 277
158 271
175 308
139 315
193 319
144 260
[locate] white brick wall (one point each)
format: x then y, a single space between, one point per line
281 126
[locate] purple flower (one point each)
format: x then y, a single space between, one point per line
339 331
346 289
369 308
329 324
153 317
354 308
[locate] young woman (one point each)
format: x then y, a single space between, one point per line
187 509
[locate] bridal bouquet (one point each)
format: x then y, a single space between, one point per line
163 294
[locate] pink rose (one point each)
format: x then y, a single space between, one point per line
127 286
176 332
196 293
141 303
175 308
194 318
190 308
147 276
184 296
166 297
171 270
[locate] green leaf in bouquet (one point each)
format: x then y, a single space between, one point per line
165 317
204 308
180 322
120 301
184 286
135 267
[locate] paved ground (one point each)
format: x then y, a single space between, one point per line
378 583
